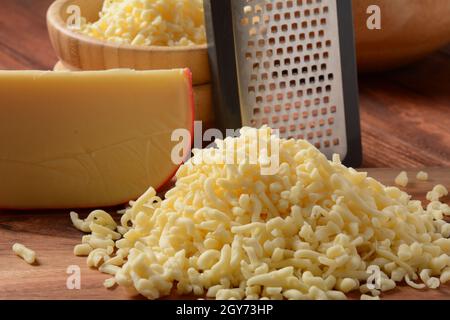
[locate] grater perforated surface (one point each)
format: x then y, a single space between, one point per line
289 69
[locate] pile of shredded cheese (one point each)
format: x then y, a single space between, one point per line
149 22
312 231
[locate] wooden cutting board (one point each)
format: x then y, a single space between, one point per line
52 236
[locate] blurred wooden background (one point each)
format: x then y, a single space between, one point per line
405 113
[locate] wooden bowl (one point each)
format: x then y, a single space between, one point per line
81 52
410 29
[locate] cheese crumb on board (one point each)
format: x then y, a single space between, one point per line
25 253
149 22
437 193
422 176
402 179
109 283
311 231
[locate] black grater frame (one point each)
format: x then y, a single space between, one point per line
222 56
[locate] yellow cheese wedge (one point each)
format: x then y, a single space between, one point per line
202 94
88 139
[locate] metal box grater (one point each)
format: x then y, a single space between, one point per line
288 64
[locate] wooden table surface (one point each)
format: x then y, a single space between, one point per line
405 113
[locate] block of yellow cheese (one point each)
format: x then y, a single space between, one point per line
88 139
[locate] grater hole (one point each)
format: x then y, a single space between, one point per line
248 9
331 121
